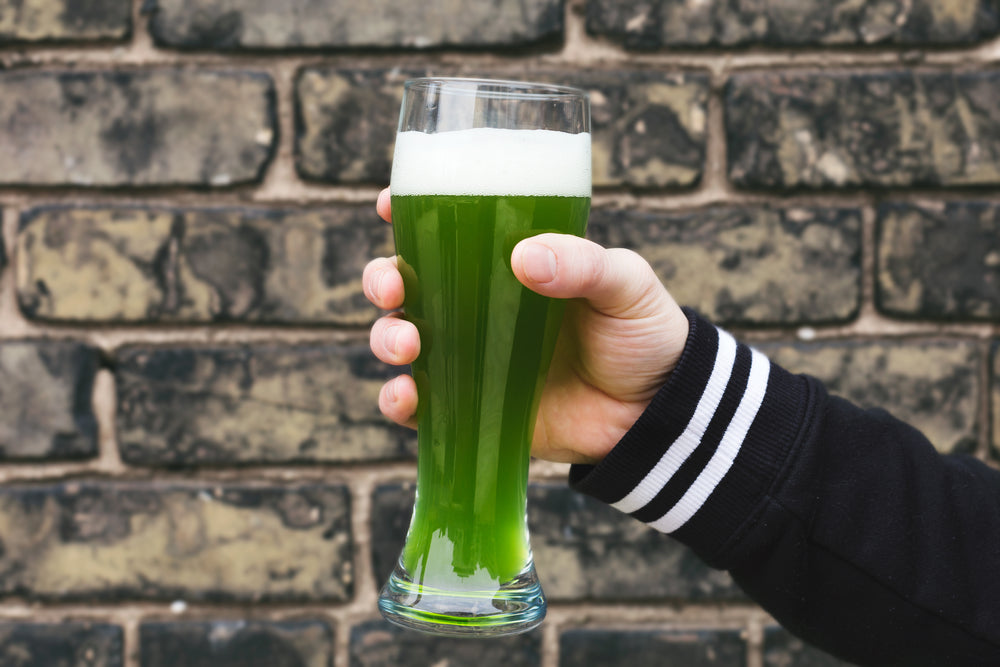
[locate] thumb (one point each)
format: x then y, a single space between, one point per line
616 282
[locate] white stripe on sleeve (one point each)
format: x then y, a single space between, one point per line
725 454
688 441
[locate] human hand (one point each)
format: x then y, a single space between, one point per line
622 335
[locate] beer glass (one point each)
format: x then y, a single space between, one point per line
478 166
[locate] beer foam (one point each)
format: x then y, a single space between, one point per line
488 161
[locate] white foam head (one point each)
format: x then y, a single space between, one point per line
488 161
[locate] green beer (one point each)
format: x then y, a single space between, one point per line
487 343
478 166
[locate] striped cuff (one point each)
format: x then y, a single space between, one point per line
704 453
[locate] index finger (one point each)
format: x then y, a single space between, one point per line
383 205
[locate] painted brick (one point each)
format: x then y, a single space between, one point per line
748 265
333 24
649 127
64 20
377 643
652 648
45 401
198 265
135 128
115 541
656 24
995 400
76 644
863 129
262 404
236 643
939 262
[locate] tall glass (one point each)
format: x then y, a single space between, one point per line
479 165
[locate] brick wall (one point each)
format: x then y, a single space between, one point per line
193 468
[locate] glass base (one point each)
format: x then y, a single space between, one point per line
517 606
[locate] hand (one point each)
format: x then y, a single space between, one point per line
621 337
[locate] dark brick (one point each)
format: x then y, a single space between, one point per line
655 24
649 127
377 643
45 401
753 265
391 509
198 265
64 20
939 261
583 550
319 24
782 649
995 400
236 643
652 648
182 406
69 644
219 542
871 129
932 386
132 128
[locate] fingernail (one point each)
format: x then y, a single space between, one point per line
373 281
390 391
391 335
539 262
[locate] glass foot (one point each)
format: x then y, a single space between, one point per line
517 606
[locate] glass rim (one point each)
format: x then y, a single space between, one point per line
512 88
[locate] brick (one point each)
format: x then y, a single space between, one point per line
652 648
932 386
312 24
263 404
782 649
64 20
865 129
391 509
45 401
236 643
198 265
754 265
583 550
75 644
219 542
649 127
656 24
939 261
377 643
995 399
135 128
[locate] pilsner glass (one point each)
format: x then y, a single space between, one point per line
479 165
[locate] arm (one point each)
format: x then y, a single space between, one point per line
844 524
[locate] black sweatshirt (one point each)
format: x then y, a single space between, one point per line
845 524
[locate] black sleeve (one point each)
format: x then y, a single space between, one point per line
845 524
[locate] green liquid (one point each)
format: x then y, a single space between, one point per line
486 345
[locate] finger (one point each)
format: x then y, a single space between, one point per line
615 281
394 340
398 400
382 284
383 205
